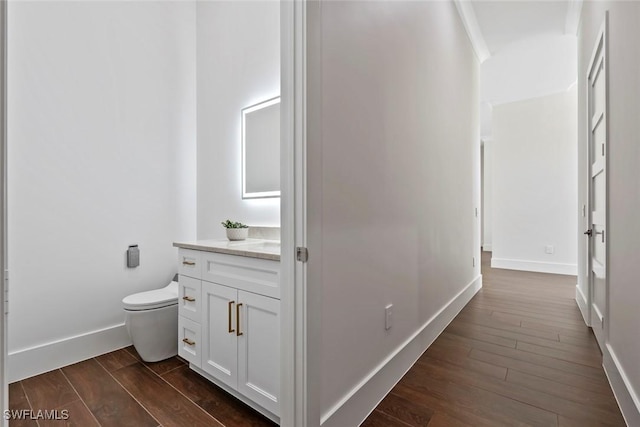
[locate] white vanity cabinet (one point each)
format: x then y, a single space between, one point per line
241 342
229 324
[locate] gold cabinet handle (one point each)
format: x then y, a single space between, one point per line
231 330
238 333
188 341
188 298
188 263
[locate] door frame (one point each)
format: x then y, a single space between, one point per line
299 383
4 273
601 40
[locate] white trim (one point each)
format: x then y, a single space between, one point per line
360 401
487 247
583 305
292 364
309 205
572 21
46 357
4 273
300 407
536 266
598 313
628 398
537 96
470 22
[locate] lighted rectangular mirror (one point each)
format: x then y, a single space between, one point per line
261 150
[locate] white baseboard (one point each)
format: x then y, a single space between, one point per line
537 266
43 358
583 305
356 405
487 247
628 399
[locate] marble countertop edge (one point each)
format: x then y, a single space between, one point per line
252 248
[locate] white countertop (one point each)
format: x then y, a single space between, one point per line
253 248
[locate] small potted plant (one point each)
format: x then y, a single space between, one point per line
236 230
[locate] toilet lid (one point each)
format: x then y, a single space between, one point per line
148 300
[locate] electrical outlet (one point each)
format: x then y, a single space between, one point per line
388 317
549 249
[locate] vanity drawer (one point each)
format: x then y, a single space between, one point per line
260 276
189 263
189 298
189 340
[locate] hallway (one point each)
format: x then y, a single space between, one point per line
517 354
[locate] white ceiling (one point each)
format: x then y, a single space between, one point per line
504 22
493 24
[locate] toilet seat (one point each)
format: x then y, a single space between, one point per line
149 300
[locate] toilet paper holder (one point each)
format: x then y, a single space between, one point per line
133 256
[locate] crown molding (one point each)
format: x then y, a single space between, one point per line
470 22
572 22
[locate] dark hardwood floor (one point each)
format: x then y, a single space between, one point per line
118 390
519 354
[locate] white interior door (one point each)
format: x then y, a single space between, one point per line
598 142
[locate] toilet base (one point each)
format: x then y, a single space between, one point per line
154 333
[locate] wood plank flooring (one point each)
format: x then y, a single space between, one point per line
118 389
519 354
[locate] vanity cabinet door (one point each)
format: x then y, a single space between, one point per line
219 341
259 350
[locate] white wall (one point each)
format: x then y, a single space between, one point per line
487 187
534 184
238 66
485 119
101 155
623 347
530 68
394 177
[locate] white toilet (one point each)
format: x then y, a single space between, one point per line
152 322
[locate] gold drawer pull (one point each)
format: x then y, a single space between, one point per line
188 341
188 298
188 262
238 333
231 330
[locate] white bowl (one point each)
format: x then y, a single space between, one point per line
237 233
